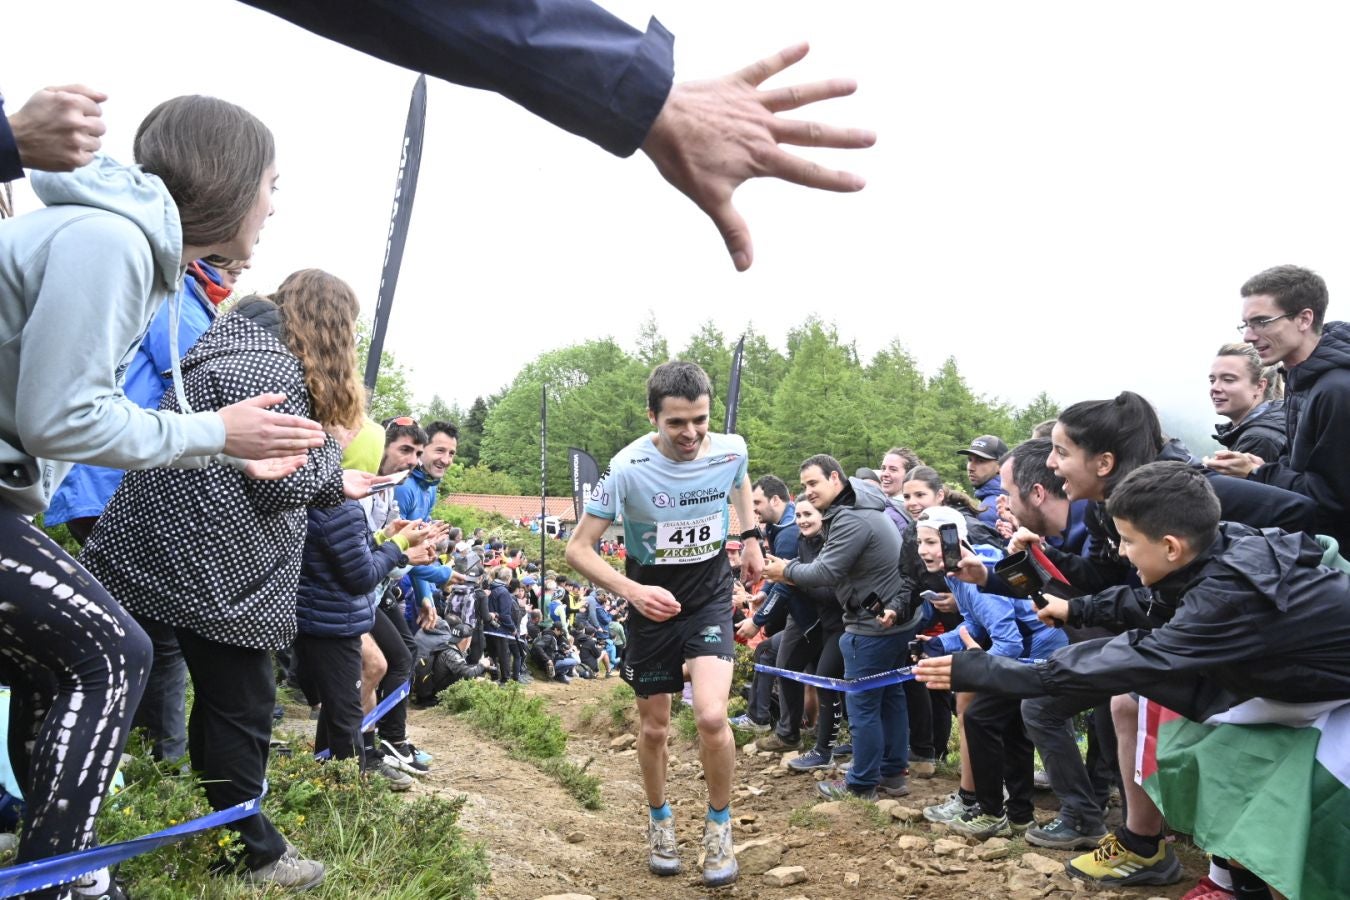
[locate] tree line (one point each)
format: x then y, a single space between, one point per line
818 396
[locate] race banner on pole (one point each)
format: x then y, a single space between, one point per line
734 388
405 187
585 473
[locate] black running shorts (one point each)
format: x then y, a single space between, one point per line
653 662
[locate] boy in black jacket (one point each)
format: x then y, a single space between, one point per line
1230 614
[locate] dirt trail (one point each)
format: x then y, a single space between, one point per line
541 841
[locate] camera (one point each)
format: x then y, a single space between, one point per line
1032 576
916 648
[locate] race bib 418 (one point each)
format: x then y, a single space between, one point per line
690 540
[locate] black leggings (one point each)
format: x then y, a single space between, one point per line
398 661
831 703
77 664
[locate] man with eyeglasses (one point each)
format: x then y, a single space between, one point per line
1283 311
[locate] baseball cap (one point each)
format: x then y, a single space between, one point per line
937 516
459 632
986 446
735 545
529 581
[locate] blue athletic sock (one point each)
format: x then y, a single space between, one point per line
720 816
662 812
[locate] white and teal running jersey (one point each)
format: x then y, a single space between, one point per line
674 513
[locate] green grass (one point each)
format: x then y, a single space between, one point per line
806 817
373 843
526 729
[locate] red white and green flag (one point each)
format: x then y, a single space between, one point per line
1264 783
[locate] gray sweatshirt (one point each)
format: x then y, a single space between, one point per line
860 559
79 283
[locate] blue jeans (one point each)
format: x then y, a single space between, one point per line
163 708
878 720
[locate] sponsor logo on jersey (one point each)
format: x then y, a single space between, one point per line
640 459
702 495
723 458
662 500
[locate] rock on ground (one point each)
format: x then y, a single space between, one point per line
785 875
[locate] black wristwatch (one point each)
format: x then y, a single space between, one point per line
757 533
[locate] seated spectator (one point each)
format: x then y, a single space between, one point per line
549 650
441 660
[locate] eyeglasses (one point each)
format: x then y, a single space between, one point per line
1263 322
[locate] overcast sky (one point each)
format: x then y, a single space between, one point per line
1065 196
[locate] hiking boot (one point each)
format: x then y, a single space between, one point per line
1060 834
398 781
663 858
981 825
402 756
1206 889
289 872
749 724
893 786
775 742
923 768
1112 864
952 808
809 761
840 790
719 858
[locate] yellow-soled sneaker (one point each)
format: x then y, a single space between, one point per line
1111 863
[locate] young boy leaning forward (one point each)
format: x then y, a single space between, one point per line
1259 631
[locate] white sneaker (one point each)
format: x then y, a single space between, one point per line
664 859
953 808
719 857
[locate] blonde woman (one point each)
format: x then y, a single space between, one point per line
1251 397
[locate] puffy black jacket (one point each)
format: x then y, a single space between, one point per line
339 573
1261 432
1255 615
1317 421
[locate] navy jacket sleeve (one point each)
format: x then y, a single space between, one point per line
567 61
346 543
11 167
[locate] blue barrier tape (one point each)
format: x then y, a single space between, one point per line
843 685
377 713
502 634
54 870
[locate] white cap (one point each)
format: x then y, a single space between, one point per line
935 516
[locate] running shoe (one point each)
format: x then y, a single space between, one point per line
1061 834
952 808
841 750
289 872
1112 864
777 742
719 857
809 761
749 724
981 826
403 756
663 858
839 790
893 786
1206 889
922 768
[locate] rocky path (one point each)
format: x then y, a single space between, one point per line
541 842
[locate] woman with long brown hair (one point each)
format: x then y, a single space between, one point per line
216 556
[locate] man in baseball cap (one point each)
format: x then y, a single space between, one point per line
982 464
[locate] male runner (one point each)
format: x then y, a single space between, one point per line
672 490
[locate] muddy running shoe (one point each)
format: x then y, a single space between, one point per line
923 768
809 761
1112 864
839 790
893 786
403 756
1206 889
952 808
289 872
398 780
980 825
663 858
719 858
749 724
774 742
1060 834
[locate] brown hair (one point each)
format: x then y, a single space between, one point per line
319 313
953 497
1255 371
211 155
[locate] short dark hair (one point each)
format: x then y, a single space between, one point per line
412 432
677 378
773 486
1126 426
1293 289
911 458
1165 498
1029 468
827 464
446 428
